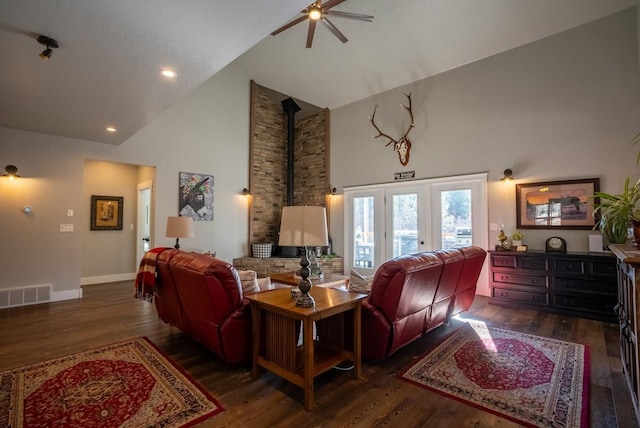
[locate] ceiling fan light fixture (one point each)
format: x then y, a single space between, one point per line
321 12
50 44
46 54
315 13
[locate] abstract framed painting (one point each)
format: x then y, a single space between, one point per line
196 196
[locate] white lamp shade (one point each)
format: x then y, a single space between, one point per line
179 227
303 226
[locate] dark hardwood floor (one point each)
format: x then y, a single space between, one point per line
109 313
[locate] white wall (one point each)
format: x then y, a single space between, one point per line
206 132
561 108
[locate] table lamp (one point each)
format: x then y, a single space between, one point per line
304 226
179 227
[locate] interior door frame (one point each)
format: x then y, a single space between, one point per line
145 185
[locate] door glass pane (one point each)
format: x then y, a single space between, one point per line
405 224
456 218
363 229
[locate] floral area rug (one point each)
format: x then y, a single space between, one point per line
531 380
128 384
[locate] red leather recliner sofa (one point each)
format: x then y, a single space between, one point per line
202 296
413 294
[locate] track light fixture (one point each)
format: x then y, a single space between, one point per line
49 43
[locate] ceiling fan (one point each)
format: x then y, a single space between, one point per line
318 12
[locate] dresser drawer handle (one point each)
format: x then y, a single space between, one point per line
504 294
567 267
617 309
625 332
535 281
504 278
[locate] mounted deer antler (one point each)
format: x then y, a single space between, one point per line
403 145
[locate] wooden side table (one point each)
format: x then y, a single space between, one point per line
337 317
331 280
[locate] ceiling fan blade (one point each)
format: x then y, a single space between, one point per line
289 25
331 3
334 30
312 29
350 15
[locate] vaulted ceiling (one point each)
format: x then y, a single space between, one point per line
106 71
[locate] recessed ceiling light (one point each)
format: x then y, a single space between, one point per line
168 73
111 129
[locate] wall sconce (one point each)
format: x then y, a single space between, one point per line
333 191
507 175
246 192
27 209
11 172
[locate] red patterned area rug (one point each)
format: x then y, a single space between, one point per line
531 380
128 384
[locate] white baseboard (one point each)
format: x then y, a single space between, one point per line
57 296
107 278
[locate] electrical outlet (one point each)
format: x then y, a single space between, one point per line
493 226
66 228
70 212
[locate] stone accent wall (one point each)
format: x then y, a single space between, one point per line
309 162
264 267
268 180
268 168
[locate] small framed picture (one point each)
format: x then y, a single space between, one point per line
565 204
106 212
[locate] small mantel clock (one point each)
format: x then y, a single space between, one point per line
555 244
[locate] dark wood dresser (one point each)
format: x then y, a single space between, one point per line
576 284
628 314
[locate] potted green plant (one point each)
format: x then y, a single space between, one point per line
517 237
617 212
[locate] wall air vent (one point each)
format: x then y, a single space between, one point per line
22 296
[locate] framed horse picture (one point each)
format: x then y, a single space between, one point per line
567 204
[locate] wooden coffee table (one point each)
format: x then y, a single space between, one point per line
276 316
328 280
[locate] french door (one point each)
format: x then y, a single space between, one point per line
389 220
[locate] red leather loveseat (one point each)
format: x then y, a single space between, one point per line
413 294
202 296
